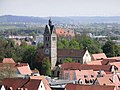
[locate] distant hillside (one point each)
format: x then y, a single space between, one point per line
10 18
60 20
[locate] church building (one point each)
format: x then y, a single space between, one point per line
59 55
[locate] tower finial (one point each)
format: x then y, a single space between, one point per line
50 22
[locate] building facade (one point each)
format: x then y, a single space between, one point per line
57 56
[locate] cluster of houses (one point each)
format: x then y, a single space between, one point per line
19 76
101 73
95 71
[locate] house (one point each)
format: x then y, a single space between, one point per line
22 84
88 87
59 55
79 56
99 56
8 60
45 82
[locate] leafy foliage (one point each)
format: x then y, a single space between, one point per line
81 42
111 49
68 60
46 67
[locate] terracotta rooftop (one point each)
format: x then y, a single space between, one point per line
96 62
117 58
14 64
8 60
25 70
99 56
88 87
79 66
43 79
107 61
32 84
70 65
16 83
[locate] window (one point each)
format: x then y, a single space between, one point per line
92 76
47 45
85 76
45 38
53 38
86 54
48 38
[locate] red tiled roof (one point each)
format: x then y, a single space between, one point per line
32 84
107 80
43 79
107 61
79 66
70 65
117 58
96 62
99 56
14 82
88 87
21 64
95 67
70 53
8 60
25 70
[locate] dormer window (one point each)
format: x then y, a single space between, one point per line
92 76
85 76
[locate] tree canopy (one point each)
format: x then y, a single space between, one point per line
111 49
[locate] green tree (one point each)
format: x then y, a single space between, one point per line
65 43
92 45
73 44
29 55
60 45
46 67
109 48
68 60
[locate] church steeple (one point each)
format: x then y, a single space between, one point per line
50 43
50 22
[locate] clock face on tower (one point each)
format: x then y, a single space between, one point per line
46 51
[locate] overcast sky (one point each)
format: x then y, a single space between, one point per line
60 7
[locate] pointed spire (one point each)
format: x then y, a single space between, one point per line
50 22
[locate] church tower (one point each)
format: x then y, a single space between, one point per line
50 43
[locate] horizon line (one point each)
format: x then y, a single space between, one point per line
64 16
